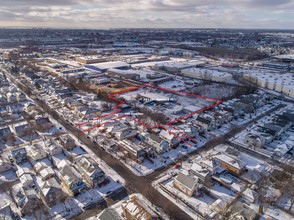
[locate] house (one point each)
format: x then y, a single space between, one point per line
5 132
22 130
281 150
90 171
36 152
4 111
11 98
188 129
202 173
21 97
30 107
46 173
27 200
186 184
27 181
66 141
133 151
109 214
50 191
71 180
5 165
170 138
43 124
126 133
54 149
25 176
16 108
3 100
149 149
205 123
6 212
160 145
254 140
230 163
91 113
40 165
249 195
19 155
136 209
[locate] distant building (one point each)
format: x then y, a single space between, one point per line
90 60
103 67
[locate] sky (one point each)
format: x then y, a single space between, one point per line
96 14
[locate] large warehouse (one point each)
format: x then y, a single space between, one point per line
103 67
206 74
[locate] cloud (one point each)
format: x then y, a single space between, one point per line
148 13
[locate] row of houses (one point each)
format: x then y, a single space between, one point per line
45 186
263 135
200 174
136 142
229 110
10 98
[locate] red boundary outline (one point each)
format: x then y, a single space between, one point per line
169 124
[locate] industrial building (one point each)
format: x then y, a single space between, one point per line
90 60
283 83
177 67
126 74
103 67
206 74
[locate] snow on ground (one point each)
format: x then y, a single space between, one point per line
176 85
201 202
119 209
108 170
148 64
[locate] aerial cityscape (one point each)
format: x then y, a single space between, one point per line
171 110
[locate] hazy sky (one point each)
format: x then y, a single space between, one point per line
148 13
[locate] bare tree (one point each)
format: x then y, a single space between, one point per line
262 187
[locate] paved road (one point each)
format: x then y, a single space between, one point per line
137 184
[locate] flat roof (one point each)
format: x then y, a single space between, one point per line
107 65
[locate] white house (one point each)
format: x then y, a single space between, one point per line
36 152
170 138
186 184
54 149
160 145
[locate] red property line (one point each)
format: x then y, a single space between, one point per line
117 110
100 124
169 124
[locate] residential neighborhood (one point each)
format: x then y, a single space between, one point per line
106 125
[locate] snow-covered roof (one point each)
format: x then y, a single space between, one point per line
231 161
187 181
